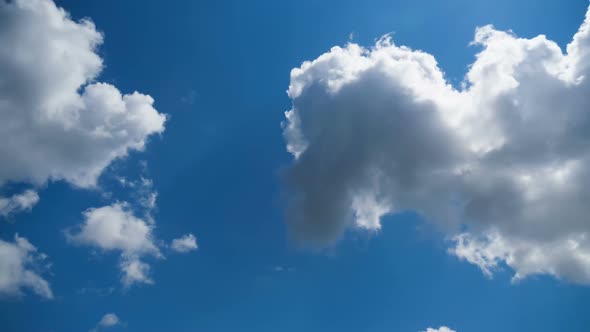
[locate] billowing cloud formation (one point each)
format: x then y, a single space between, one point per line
115 228
380 130
185 243
56 122
440 329
19 262
18 202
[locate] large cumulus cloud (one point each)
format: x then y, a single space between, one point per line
501 164
56 122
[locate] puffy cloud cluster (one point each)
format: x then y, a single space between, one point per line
19 266
18 202
57 123
501 164
116 228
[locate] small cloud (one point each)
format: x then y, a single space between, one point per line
116 228
19 265
135 271
185 243
440 329
107 321
18 203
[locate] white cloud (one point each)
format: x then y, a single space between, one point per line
135 271
440 329
116 228
146 196
185 243
109 320
18 202
142 191
564 257
129 230
377 131
19 265
57 122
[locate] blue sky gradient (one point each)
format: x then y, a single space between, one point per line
220 70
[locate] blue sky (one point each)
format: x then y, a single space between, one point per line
219 70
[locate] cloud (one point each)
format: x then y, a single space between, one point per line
107 321
184 243
134 271
57 122
115 228
567 257
142 191
18 202
19 265
440 329
500 165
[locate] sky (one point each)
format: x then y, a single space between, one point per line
294 166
